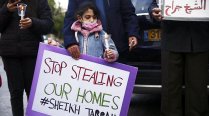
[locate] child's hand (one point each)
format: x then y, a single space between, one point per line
74 51
109 55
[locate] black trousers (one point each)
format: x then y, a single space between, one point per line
190 69
19 75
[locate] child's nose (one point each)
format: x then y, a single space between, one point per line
91 19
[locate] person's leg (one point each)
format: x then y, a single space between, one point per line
15 80
172 79
28 71
196 78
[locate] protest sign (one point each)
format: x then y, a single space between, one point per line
86 87
185 10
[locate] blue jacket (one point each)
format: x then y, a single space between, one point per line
121 22
93 42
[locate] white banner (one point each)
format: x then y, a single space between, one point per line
185 10
86 87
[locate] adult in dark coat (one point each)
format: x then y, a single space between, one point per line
185 46
118 19
19 45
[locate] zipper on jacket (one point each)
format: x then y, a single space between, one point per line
85 45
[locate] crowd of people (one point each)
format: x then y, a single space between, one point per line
111 26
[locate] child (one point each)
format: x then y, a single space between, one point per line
90 35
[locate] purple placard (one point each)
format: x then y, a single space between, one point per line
44 47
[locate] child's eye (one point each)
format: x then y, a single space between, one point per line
87 17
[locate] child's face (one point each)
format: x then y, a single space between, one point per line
88 17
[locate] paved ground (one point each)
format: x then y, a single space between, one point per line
145 105
5 107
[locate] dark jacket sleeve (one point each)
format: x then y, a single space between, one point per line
153 5
43 23
69 35
4 16
129 18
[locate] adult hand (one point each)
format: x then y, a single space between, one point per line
132 42
25 23
74 51
156 13
12 6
